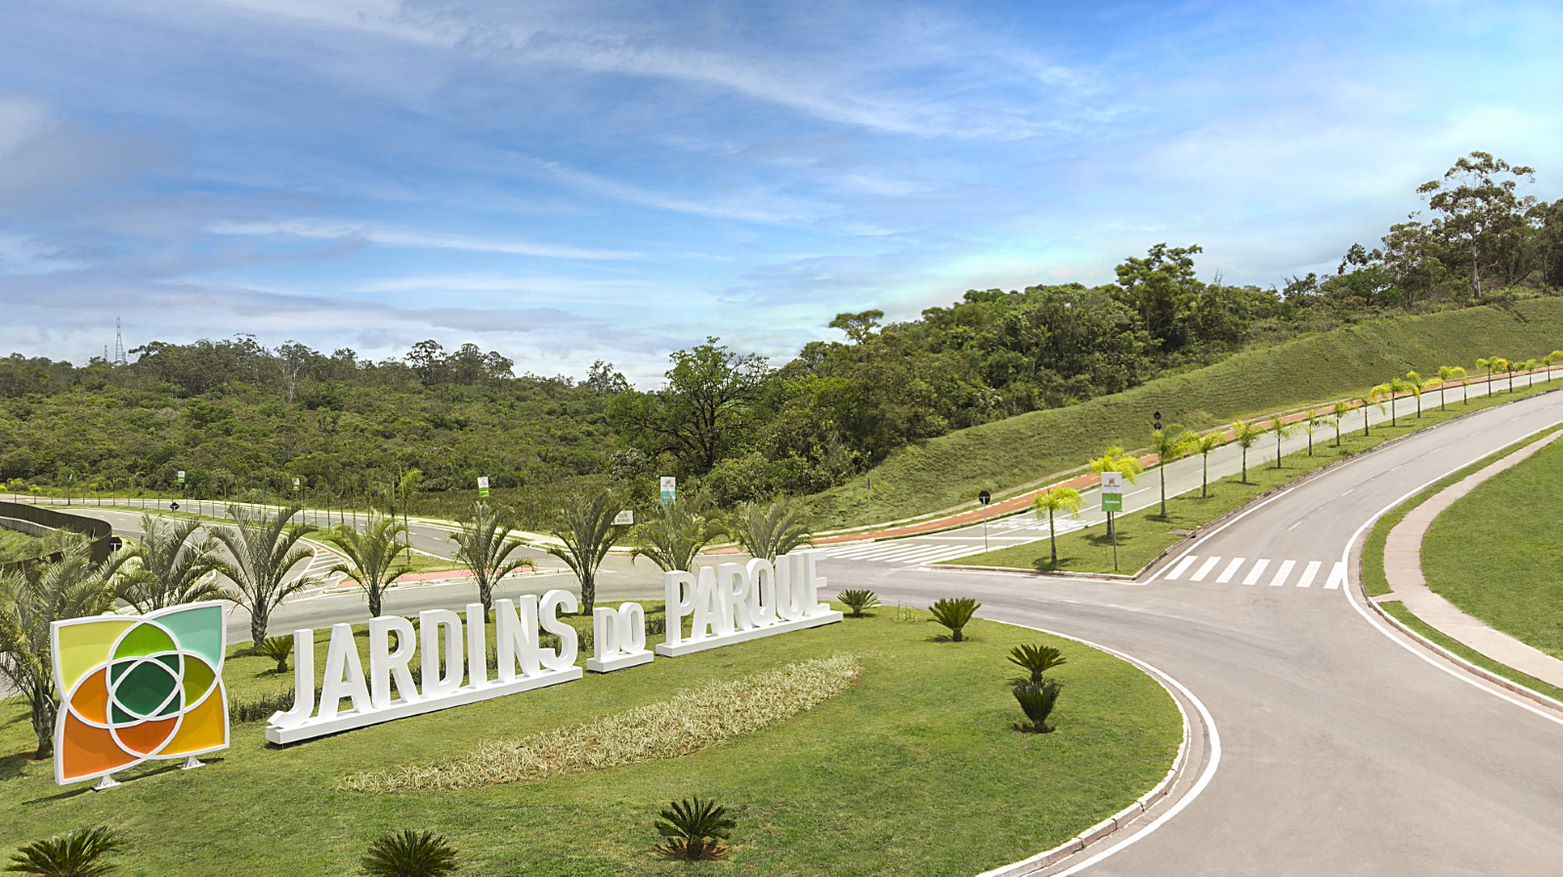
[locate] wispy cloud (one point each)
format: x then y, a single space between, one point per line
330 230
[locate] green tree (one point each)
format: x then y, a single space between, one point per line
1552 359
263 551
1447 373
1281 429
587 531
1203 444
1116 459
173 565
1059 499
485 547
1390 391
1159 288
372 556
1312 422
675 534
1364 403
1481 215
1419 385
1168 444
1490 363
1246 435
704 411
769 530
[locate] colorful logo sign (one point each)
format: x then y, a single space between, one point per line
137 688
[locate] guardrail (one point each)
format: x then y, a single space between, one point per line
98 531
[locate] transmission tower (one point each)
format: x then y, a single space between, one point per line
119 343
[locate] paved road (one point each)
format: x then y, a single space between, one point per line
1343 752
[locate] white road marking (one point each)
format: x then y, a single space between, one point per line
1283 573
1204 569
1230 571
1181 567
1256 572
1337 576
1308 574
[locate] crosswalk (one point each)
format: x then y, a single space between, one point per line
1224 570
904 552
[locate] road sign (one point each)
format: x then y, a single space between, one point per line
180 476
173 506
1156 422
669 490
1112 491
985 497
295 485
483 486
624 518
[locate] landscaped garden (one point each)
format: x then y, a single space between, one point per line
877 745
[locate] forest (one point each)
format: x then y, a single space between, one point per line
244 420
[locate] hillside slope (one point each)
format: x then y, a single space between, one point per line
948 471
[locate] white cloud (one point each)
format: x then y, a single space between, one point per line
393 237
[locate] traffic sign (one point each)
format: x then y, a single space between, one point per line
669 489
1112 491
985 497
624 518
180 476
483 486
173 506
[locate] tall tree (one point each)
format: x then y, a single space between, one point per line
1246 435
703 412
1167 444
174 562
1059 499
1158 287
1203 444
485 547
1447 373
263 551
587 531
371 553
1481 214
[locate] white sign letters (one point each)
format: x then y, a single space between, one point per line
736 602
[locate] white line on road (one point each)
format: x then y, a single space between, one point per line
1204 569
1257 571
1337 576
1283 573
1308 574
1178 570
1230 571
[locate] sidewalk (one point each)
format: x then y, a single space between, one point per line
1403 570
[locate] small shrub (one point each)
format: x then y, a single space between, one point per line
859 600
261 707
80 853
693 830
279 649
955 614
1037 700
409 853
1036 660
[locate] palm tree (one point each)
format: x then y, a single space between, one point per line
484 546
31 598
1314 420
587 530
1338 416
1245 434
676 534
372 556
406 486
1489 363
1390 390
1059 499
1530 367
80 853
1168 444
1507 368
1419 386
174 562
1282 429
263 550
1447 373
1551 359
770 530
1115 459
1365 402
1203 445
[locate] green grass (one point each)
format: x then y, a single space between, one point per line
18 546
1511 582
912 770
948 471
1405 616
1145 534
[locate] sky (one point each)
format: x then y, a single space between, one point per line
580 180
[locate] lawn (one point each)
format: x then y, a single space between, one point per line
913 769
1405 616
1512 580
1145 534
947 472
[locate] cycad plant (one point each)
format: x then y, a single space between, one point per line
1246 435
1037 700
264 550
694 830
81 853
279 649
1036 660
173 566
409 853
1059 499
955 613
485 547
769 530
674 535
587 531
859 600
1447 373
374 556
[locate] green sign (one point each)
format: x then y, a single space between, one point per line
1112 491
483 486
669 490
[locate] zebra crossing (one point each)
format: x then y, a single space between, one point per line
903 552
1194 568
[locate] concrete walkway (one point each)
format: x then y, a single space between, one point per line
1403 570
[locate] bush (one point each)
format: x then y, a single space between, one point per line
279 649
693 830
859 600
1036 660
409 853
955 614
80 853
1037 700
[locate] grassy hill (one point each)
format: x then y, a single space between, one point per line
948 471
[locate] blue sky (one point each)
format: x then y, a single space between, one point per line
571 181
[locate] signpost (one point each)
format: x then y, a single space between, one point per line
669 490
483 487
1112 501
984 497
624 518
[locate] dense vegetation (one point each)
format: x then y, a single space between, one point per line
241 418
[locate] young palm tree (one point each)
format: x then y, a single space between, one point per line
1059 499
1447 373
1507 368
1366 402
1338 414
768 531
1115 459
1246 435
1311 424
174 562
675 534
263 550
80 853
1390 390
1490 363
372 556
1203 445
1168 444
484 546
1282 429
33 596
587 530
1530 367
1551 359
1418 386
